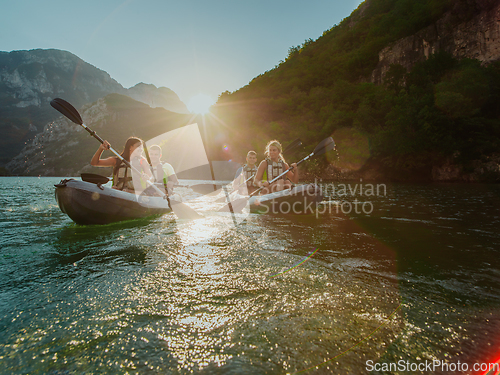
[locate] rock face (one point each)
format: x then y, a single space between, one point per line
476 38
63 148
30 79
481 170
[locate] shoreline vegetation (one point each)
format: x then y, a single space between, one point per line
435 118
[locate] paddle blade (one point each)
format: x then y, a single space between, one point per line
324 146
146 153
94 178
293 145
67 110
183 211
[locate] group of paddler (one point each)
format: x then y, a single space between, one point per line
272 175
127 177
269 174
249 176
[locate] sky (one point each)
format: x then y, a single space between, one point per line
194 47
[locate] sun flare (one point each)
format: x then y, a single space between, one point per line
200 104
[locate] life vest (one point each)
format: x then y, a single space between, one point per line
248 173
122 179
273 170
159 174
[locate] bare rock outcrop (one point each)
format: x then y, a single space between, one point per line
57 141
476 38
29 80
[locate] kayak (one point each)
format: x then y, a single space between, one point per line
301 199
92 203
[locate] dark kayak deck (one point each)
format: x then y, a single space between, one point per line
87 203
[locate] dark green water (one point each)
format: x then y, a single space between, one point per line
417 279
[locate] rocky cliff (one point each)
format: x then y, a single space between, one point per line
469 30
63 148
30 79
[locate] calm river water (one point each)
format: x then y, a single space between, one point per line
411 279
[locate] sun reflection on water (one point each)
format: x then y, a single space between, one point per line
178 298
211 227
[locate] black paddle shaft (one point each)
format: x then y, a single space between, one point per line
146 152
93 133
71 112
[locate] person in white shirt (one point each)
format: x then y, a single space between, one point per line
163 173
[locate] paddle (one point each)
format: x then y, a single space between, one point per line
71 113
94 178
290 147
226 198
179 208
210 188
98 179
238 204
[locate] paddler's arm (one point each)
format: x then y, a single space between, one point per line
257 180
96 159
172 181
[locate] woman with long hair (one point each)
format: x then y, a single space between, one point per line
271 167
125 178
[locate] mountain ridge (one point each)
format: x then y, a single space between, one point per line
30 79
65 149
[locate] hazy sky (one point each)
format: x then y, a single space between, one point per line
189 46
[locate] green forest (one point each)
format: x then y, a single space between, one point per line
443 109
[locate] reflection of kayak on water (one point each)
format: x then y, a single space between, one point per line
88 203
298 200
